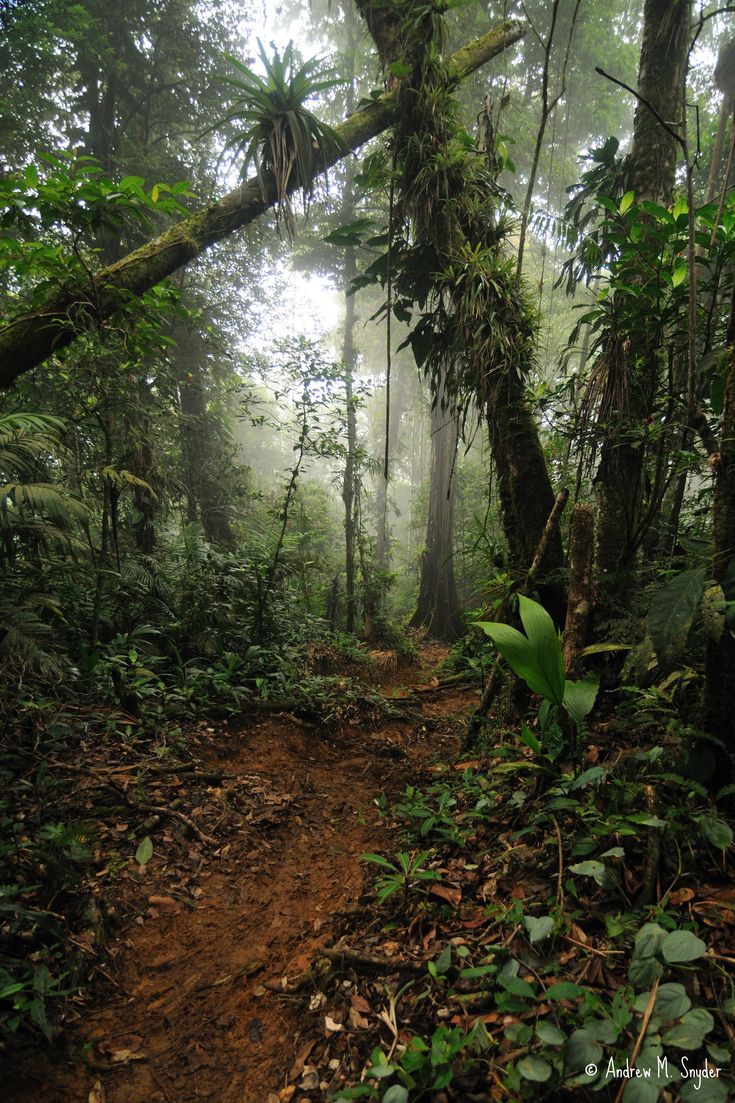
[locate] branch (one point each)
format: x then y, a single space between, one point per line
644 101
27 341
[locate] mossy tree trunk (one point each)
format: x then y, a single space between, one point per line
620 478
719 710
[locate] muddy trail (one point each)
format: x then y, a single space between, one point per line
191 999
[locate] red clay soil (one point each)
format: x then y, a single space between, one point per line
191 1009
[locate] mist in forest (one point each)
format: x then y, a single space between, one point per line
353 355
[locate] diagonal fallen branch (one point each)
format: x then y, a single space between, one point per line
358 960
27 341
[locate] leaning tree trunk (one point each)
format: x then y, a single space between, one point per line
620 478
438 608
29 340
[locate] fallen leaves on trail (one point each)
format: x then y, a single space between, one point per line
449 893
123 1048
163 903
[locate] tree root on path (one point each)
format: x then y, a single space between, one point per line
358 960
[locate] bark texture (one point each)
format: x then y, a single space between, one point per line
438 608
719 701
620 477
579 606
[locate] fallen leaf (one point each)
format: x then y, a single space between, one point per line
163 903
428 938
124 1048
449 893
356 1020
331 1025
360 1004
97 1094
310 1079
285 1095
302 1057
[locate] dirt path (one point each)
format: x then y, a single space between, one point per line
190 1012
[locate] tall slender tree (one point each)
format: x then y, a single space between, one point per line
620 478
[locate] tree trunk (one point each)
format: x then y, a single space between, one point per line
620 476
32 338
438 608
201 445
382 531
579 607
719 701
524 487
142 463
350 472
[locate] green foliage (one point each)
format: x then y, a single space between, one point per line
52 216
536 657
275 130
425 1065
407 874
448 811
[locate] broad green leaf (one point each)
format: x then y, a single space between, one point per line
377 859
590 869
691 1031
681 946
563 990
580 697
716 831
679 274
544 640
640 1091
626 202
475 971
602 1030
539 927
643 971
517 987
648 940
515 649
587 777
672 611
396 1094
706 1090
444 960
534 1068
528 737
549 1034
671 1002
581 1050
144 853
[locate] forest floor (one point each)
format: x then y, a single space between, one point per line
198 993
